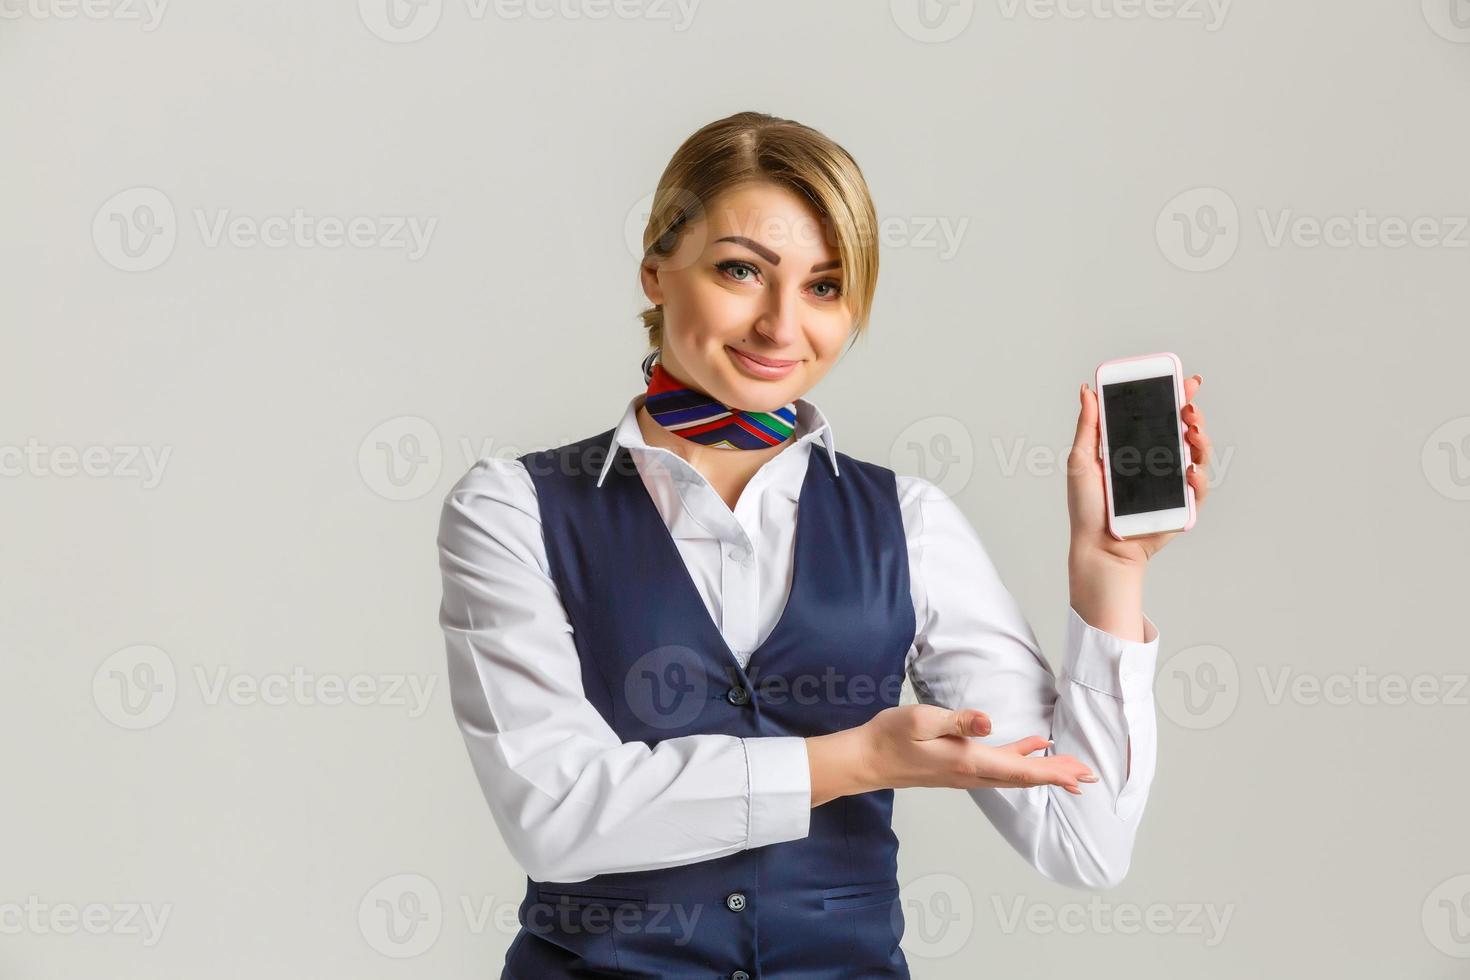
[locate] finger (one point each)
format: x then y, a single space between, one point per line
1200 483
1065 771
1199 444
1191 415
1191 388
1025 783
1027 745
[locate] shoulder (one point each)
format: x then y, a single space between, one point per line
932 519
492 504
501 495
917 495
914 491
492 481
509 482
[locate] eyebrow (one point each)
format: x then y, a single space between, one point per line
771 256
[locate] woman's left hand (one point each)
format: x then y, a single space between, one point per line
1086 496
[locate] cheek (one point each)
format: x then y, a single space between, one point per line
709 309
830 333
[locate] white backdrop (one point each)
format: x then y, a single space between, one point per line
276 273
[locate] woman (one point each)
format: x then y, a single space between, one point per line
682 702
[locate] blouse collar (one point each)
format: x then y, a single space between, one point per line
811 424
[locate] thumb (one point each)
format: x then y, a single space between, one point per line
1085 442
959 721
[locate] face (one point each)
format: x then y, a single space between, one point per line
754 310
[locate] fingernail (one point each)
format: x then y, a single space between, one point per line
1200 378
1089 778
1193 428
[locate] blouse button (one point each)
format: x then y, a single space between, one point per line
737 695
735 901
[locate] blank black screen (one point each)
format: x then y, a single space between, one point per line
1143 445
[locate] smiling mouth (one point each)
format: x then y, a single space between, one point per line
767 361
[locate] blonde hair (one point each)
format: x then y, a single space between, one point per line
753 147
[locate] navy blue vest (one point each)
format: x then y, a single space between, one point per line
655 666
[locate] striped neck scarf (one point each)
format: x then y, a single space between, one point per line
701 418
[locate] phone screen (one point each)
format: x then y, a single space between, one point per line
1143 445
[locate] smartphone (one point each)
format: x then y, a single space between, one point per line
1142 446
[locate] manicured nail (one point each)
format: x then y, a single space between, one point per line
1089 778
1200 378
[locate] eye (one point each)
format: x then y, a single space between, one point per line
730 266
831 284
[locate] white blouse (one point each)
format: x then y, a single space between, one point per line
572 800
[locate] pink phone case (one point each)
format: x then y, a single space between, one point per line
1183 445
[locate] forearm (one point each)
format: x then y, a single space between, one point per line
1102 706
1107 593
839 765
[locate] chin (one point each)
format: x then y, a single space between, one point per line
737 389
757 396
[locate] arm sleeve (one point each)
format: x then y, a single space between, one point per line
569 797
974 649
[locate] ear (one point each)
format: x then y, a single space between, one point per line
648 277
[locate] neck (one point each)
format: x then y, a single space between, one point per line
723 468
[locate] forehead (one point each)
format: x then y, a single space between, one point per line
775 216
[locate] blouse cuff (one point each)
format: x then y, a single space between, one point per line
780 782
1119 668
1124 670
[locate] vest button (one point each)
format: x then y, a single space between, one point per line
737 695
735 901
740 975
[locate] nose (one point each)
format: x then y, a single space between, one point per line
780 321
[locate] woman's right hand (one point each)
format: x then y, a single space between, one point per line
926 745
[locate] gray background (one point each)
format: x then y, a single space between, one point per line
284 381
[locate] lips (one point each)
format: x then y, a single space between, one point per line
767 361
